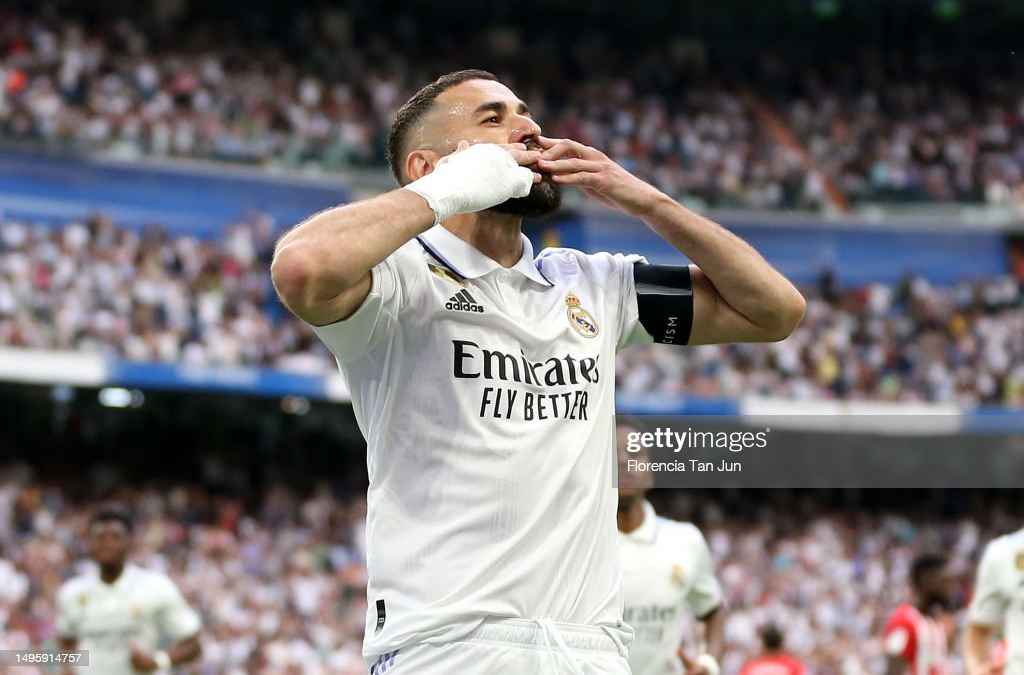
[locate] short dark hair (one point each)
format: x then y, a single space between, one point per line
924 564
772 637
112 513
413 110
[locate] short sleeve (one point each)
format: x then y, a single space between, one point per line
67 613
705 594
631 331
353 337
989 604
175 618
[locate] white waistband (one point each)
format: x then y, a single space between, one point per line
546 633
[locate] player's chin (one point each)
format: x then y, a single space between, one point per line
545 197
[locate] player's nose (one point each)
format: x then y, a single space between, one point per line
525 131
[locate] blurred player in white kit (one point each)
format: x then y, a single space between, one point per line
997 607
121 613
667 574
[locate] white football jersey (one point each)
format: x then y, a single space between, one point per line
142 606
667 573
999 595
487 398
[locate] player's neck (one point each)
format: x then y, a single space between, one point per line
111 573
924 605
497 235
630 515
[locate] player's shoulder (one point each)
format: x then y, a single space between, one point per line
904 613
1008 545
680 528
77 585
569 262
680 533
411 254
154 578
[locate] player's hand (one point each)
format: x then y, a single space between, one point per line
694 666
142 661
477 177
691 666
571 163
524 157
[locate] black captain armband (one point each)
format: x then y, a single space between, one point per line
664 296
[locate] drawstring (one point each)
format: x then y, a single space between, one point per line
552 634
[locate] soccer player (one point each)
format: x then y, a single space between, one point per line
997 606
914 638
667 574
483 378
121 613
773 660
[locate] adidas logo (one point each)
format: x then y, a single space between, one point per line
463 302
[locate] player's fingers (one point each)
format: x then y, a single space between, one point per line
559 150
525 157
688 663
569 165
566 146
580 179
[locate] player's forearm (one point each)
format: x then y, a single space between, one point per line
335 249
185 651
741 276
714 633
977 648
67 644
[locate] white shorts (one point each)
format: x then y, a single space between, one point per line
515 647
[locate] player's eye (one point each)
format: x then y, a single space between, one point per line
493 119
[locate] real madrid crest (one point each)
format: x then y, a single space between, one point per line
678 575
580 319
444 274
1020 561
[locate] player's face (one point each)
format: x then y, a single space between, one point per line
632 484
108 542
937 588
484 111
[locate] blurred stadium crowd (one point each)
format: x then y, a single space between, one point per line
780 136
93 287
280 579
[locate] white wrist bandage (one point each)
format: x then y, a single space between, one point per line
474 179
709 664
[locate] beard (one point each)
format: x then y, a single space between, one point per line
545 197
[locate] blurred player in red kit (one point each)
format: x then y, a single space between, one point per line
773 660
915 638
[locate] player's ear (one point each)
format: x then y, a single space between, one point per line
419 163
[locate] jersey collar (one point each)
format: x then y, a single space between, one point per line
648 530
466 261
